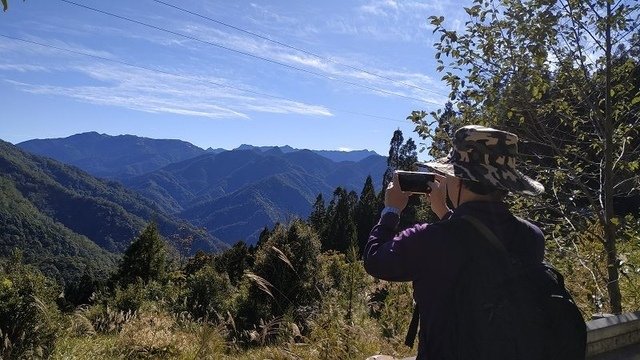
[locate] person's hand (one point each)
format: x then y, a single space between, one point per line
394 197
438 197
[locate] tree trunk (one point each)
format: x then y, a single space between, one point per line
613 285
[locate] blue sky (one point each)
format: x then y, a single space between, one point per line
189 87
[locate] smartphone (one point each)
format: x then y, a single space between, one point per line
415 181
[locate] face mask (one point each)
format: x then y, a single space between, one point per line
448 200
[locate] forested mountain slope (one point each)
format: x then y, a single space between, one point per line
234 194
103 211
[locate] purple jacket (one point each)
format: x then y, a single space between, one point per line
430 257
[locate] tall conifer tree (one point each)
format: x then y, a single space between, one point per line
366 212
146 257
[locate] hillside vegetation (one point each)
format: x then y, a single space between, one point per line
51 210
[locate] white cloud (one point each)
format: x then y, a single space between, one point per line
154 92
29 47
420 85
22 67
144 88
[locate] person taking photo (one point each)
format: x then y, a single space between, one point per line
467 268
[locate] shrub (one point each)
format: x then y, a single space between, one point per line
285 274
148 335
29 318
128 298
105 319
208 294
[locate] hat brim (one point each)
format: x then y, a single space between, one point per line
501 177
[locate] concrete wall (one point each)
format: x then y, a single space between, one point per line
614 337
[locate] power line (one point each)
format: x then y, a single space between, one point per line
76 52
310 53
371 88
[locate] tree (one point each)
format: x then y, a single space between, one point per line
234 262
366 213
440 131
28 313
546 70
146 258
318 214
208 293
393 160
340 229
402 156
284 276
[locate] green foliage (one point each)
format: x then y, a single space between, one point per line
284 274
339 228
234 262
105 212
402 156
145 259
28 315
365 213
339 328
318 214
129 297
396 310
548 71
104 319
209 294
629 250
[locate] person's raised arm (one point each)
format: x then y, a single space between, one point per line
438 196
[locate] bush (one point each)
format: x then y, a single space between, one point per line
105 319
159 335
29 318
129 298
285 274
209 294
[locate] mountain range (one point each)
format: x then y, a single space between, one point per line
232 194
123 156
69 222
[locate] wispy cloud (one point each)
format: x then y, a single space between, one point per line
22 68
329 66
15 48
154 92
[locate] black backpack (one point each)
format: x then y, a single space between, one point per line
503 309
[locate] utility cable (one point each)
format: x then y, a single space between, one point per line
76 52
371 88
307 52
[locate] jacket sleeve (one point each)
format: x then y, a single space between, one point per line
392 257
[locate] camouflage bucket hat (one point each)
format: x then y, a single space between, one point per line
488 156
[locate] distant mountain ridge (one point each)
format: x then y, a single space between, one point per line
334 155
231 193
113 157
124 156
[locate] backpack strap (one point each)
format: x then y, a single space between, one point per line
413 327
488 234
